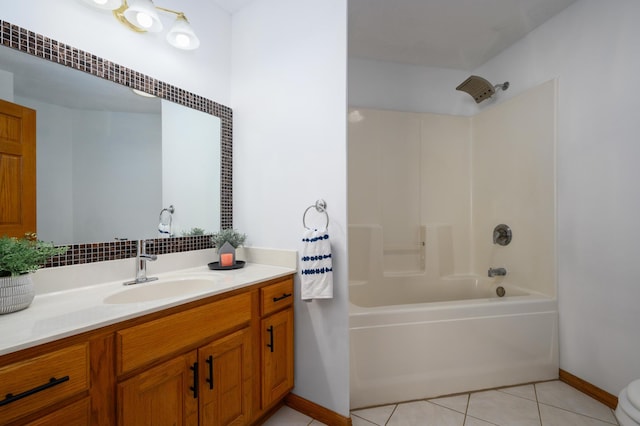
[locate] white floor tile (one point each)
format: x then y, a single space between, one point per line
376 415
471 421
525 391
359 421
503 409
287 416
317 423
561 395
423 413
457 403
552 416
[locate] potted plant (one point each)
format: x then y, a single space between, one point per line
19 257
227 241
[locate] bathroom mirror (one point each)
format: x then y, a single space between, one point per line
109 160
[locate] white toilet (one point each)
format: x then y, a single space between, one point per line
628 410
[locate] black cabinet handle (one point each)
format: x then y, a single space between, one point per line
210 379
284 296
194 388
9 398
270 331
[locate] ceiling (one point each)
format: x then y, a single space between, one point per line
232 6
458 34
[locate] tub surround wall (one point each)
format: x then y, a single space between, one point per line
513 161
475 173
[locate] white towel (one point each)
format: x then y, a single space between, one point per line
164 231
316 270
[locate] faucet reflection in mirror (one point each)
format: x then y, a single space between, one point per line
142 16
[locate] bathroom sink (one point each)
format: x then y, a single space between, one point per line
155 290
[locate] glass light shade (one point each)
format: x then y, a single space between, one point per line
181 35
142 14
105 4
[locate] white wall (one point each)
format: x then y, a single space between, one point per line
6 85
117 168
289 100
54 157
591 48
402 87
205 71
190 168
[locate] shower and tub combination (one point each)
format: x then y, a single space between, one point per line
465 298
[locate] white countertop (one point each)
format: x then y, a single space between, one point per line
64 313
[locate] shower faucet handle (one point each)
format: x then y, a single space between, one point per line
502 235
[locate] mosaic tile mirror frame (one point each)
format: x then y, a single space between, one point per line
21 39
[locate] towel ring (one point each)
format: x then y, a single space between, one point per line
169 210
321 207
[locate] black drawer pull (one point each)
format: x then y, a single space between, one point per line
284 296
210 379
9 398
270 331
194 388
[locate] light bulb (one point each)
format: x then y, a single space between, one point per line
144 20
182 40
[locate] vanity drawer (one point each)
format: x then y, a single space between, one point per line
38 382
139 345
276 296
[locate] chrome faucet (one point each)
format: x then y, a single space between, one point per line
141 264
497 272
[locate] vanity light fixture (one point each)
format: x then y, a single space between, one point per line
142 16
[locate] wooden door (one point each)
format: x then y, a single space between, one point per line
17 169
226 367
277 356
162 395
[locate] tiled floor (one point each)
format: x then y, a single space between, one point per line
289 417
543 404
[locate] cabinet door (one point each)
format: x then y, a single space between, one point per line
277 356
226 380
162 395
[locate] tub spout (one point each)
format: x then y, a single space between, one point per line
497 272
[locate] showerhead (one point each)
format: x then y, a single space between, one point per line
479 88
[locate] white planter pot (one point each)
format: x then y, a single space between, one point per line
16 293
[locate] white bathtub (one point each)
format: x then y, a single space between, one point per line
411 341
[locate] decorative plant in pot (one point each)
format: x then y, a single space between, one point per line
19 257
227 241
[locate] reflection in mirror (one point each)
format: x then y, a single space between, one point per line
108 161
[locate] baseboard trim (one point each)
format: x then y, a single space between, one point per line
583 386
316 411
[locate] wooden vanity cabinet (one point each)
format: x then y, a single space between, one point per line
225 361
276 303
66 382
207 385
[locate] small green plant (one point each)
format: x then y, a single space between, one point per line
27 254
193 232
231 236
